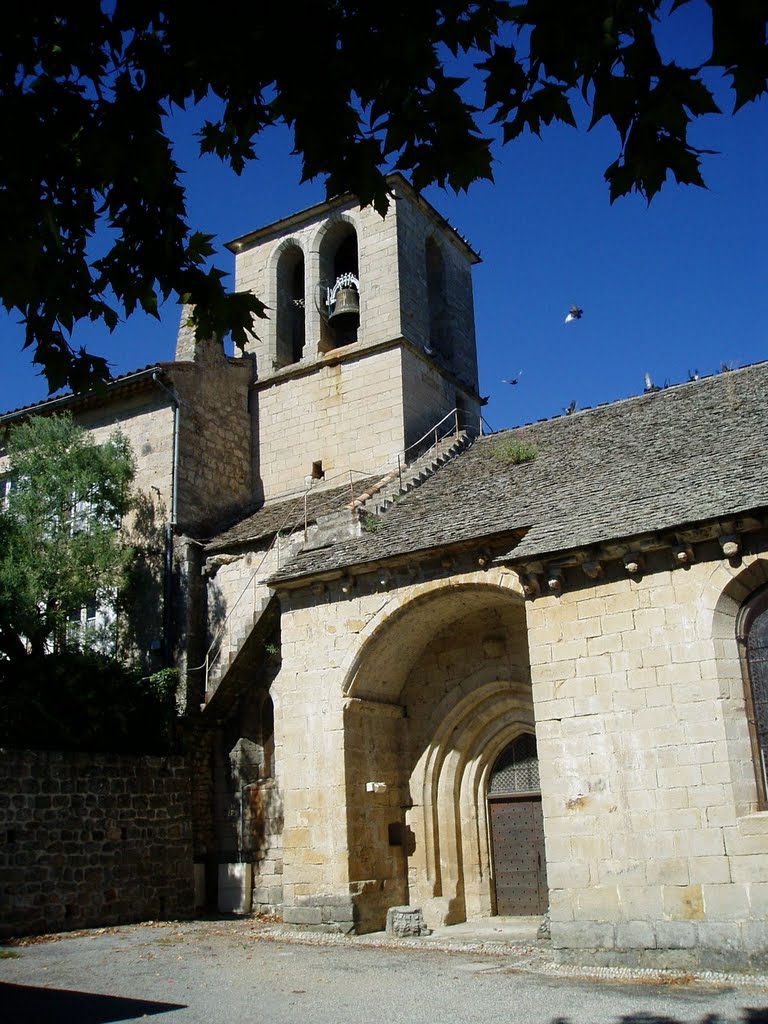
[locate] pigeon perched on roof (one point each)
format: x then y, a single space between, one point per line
574 313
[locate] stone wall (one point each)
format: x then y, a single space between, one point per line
214 468
654 839
428 396
256 269
656 846
345 414
92 839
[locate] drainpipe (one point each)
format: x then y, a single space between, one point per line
170 527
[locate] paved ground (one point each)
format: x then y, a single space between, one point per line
225 972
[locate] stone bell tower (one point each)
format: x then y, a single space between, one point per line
370 339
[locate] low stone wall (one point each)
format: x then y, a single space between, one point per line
89 840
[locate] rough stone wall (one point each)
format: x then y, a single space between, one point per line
236 589
214 468
92 839
653 837
347 415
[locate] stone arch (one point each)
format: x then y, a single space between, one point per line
440 685
281 256
724 597
290 304
336 245
438 304
409 613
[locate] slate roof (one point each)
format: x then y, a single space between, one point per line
132 378
656 461
288 514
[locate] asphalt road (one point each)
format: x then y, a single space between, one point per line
228 972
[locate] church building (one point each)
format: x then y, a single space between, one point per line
519 673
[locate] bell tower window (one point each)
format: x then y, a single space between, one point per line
439 340
341 287
291 331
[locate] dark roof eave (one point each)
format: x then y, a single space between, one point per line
499 539
745 520
127 382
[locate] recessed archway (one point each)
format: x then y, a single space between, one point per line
439 689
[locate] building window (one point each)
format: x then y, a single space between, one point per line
7 485
291 324
437 302
92 627
752 631
339 269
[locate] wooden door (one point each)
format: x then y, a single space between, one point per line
517 839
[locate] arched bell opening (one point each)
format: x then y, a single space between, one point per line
291 319
439 328
439 690
339 297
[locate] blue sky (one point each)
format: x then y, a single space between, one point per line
675 287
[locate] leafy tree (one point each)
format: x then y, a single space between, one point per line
86 91
60 546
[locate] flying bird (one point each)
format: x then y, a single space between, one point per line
574 313
515 379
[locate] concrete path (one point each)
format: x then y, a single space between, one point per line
225 972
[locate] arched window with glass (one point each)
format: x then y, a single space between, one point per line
752 633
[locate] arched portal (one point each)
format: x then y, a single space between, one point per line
517 830
439 690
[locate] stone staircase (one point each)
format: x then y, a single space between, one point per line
385 492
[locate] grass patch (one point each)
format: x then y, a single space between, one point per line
512 450
9 954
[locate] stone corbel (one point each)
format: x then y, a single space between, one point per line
633 562
683 555
730 544
555 579
530 583
593 569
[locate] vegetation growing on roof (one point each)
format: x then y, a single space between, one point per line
512 450
371 522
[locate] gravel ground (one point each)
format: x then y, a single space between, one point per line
205 972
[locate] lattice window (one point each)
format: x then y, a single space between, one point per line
517 768
753 636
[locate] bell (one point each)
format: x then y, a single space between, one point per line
346 309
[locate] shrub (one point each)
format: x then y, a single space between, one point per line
87 702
